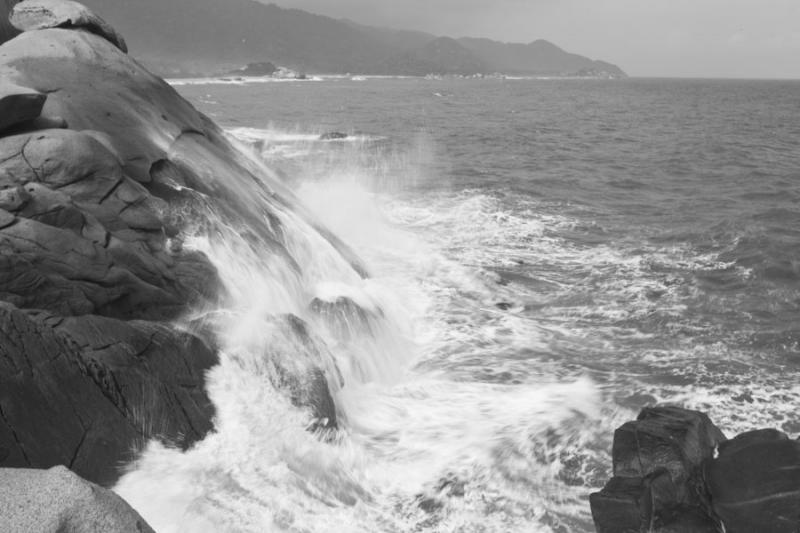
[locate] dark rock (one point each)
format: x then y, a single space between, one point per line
40 123
32 15
58 501
7 31
91 277
669 437
332 136
86 391
658 482
300 369
687 520
429 504
344 317
18 105
504 306
755 483
633 503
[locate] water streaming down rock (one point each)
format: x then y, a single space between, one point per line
323 421
391 447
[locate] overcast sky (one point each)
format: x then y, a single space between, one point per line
713 38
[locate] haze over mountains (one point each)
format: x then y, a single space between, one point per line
177 37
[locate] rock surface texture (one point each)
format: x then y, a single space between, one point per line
674 471
58 501
41 14
755 483
104 173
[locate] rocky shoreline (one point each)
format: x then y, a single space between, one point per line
106 319
675 471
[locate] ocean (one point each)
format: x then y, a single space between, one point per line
545 258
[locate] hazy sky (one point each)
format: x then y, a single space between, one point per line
716 38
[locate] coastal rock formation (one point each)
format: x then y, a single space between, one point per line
87 391
43 14
674 471
300 369
58 501
755 483
92 274
103 174
18 105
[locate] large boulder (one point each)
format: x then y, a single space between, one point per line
667 437
7 31
658 478
58 501
302 367
162 141
90 239
89 391
94 277
18 105
755 483
42 14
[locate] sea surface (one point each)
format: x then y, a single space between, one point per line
546 257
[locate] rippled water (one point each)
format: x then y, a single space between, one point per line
547 257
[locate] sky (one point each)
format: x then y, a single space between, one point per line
681 38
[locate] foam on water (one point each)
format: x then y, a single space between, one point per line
478 372
419 446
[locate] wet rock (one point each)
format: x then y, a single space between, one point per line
755 482
429 504
658 482
32 15
633 503
301 370
92 274
88 391
344 316
18 104
667 437
58 501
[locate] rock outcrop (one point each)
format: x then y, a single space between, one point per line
103 174
755 483
42 14
674 471
18 105
58 501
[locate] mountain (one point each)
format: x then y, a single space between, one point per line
538 57
205 36
442 55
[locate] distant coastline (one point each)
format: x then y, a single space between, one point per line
164 36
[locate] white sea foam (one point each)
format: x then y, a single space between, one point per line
421 445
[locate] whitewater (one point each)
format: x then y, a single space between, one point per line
514 293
